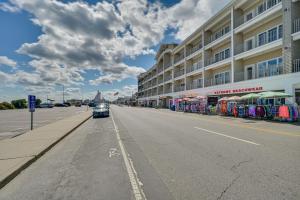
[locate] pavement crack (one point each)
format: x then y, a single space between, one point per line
17 157
235 166
228 187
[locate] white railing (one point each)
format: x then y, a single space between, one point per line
296 65
167 78
193 49
178 73
194 67
216 81
178 88
195 84
214 37
296 25
168 90
213 60
272 70
243 19
240 48
178 58
167 65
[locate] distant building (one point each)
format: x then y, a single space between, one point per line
74 101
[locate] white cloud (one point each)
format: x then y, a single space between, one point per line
78 36
126 90
8 7
8 62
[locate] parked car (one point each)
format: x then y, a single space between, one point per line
46 105
60 105
78 104
101 110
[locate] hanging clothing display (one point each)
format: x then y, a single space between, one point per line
260 111
251 111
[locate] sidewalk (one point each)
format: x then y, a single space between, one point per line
19 152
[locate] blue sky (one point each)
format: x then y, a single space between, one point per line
41 51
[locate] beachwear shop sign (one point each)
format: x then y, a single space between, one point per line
240 90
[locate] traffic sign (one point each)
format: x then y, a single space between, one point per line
31 103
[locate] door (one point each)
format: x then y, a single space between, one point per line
249 72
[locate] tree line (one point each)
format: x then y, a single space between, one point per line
17 104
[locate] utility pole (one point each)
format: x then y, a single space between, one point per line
63 94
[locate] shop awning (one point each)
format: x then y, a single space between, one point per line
274 95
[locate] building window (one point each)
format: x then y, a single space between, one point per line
262 39
249 16
261 8
280 31
270 67
249 44
222 78
271 3
272 34
227 53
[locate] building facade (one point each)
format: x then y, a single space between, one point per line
248 46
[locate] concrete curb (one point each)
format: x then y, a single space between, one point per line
12 175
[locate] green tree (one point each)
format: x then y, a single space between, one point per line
19 103
6 106
38 102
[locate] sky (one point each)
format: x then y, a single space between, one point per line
88 45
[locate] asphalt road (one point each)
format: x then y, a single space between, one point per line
15 122
174 156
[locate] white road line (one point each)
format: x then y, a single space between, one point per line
209 131
135 183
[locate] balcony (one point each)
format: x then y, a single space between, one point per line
296 29
263 12
218 37
193 49
216 81
178 59
167 78
296 66
178 73
167 65
195 84
215 60
179 88
194 67
160 81
160 92
296 26
160 69
271 70
168 90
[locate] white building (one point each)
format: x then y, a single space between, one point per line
249 46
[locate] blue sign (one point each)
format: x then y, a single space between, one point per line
31 103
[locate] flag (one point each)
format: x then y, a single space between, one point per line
115 94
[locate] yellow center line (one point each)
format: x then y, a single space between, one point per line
235 125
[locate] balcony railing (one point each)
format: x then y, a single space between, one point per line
168 90
215 37
240 48
216 81
167 78
296 65
213 60
195 84
160 81
194 67
160 92
178 88
178 73
160 69
296 27
271 70
260 10
193 49
167 65
178 58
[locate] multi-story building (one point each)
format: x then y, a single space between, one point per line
248 46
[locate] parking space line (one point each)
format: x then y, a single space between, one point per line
228 136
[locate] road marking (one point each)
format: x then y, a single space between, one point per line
135 183
113 152
220 134
199 117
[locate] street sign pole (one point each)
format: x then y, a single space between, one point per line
31 107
